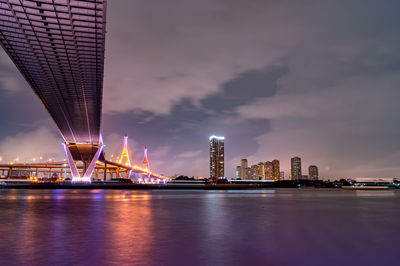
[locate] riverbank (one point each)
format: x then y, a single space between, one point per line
159 186
134 186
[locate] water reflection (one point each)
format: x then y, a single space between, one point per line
117 227
129 228
29 225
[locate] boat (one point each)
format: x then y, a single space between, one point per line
366 187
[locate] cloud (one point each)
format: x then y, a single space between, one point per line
343 128
158 56
11 81
183 134
336 89
32 144
189 154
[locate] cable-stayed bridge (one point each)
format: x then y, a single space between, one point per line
58 46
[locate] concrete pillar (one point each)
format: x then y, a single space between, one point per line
105 172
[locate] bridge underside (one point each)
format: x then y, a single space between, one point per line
58 46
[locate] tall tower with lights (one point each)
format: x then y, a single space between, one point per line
217 159
124 159
313 172
295 164
276 169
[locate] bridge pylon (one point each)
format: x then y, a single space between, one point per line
88 154
146 163
125 157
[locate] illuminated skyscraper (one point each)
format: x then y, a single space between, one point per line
237 172
217 157
261 171
253 172
295 171
313 172
276 171
248 174
269 170
243 167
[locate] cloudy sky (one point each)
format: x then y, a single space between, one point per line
316 79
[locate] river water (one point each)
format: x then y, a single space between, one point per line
196 227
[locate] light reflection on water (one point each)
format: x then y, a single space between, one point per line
182 227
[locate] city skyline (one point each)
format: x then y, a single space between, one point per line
270 170
270 93
106 108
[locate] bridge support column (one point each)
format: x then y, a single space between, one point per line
89 165
105 172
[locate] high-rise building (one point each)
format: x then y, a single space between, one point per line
254 172
238 171
261 171
243 166
313 172
276 170
217 157
248 174
282 175
295 171
269 170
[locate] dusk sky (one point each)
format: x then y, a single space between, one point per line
314 79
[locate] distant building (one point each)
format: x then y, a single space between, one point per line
261 171
249 173
269 170
276 170
217 157
243 167
295 171
313 172
253 172
282 175
238 171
